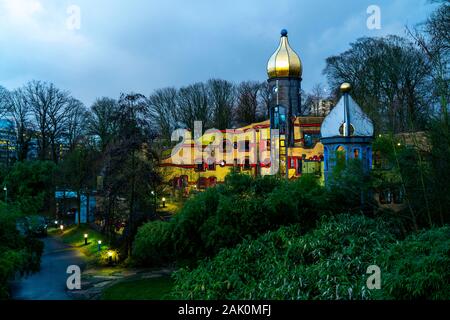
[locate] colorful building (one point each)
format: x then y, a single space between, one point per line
348 132
287 144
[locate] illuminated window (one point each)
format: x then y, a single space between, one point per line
356 153
247 164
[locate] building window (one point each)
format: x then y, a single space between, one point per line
356 153
247 164
200 167
212 166
299 166
310 139
341 154
247 145
291 163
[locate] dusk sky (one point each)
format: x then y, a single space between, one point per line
140 46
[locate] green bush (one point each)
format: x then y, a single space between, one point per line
243 207
418 267
329 262
152 244
30 186
18 254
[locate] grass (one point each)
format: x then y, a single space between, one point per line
74 236
143 289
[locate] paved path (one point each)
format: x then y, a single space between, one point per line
50 282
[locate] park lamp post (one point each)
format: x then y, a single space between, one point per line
61 227
164 202
99 242
85 239
5 188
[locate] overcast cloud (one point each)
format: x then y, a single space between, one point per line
140 46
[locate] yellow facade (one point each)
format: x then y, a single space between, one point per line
249 150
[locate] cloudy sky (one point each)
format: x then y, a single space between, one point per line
141 45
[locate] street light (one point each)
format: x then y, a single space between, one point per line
6 194
110 256
99 245
164 202
85 239
62 228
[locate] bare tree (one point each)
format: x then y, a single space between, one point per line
162 110
390 79
221 94
315 99
75 123
248 107
47 104
193 106
433 38
265 95
100 121
17 109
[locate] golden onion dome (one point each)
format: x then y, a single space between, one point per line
284 62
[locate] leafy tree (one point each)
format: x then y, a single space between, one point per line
77 172
129 166
30 186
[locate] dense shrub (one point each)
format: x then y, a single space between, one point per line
418 267
19 255
152 244
243 207
329 262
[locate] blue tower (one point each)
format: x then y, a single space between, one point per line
347 132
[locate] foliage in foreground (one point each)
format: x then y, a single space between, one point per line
329 262
221 217
19 255
418 267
